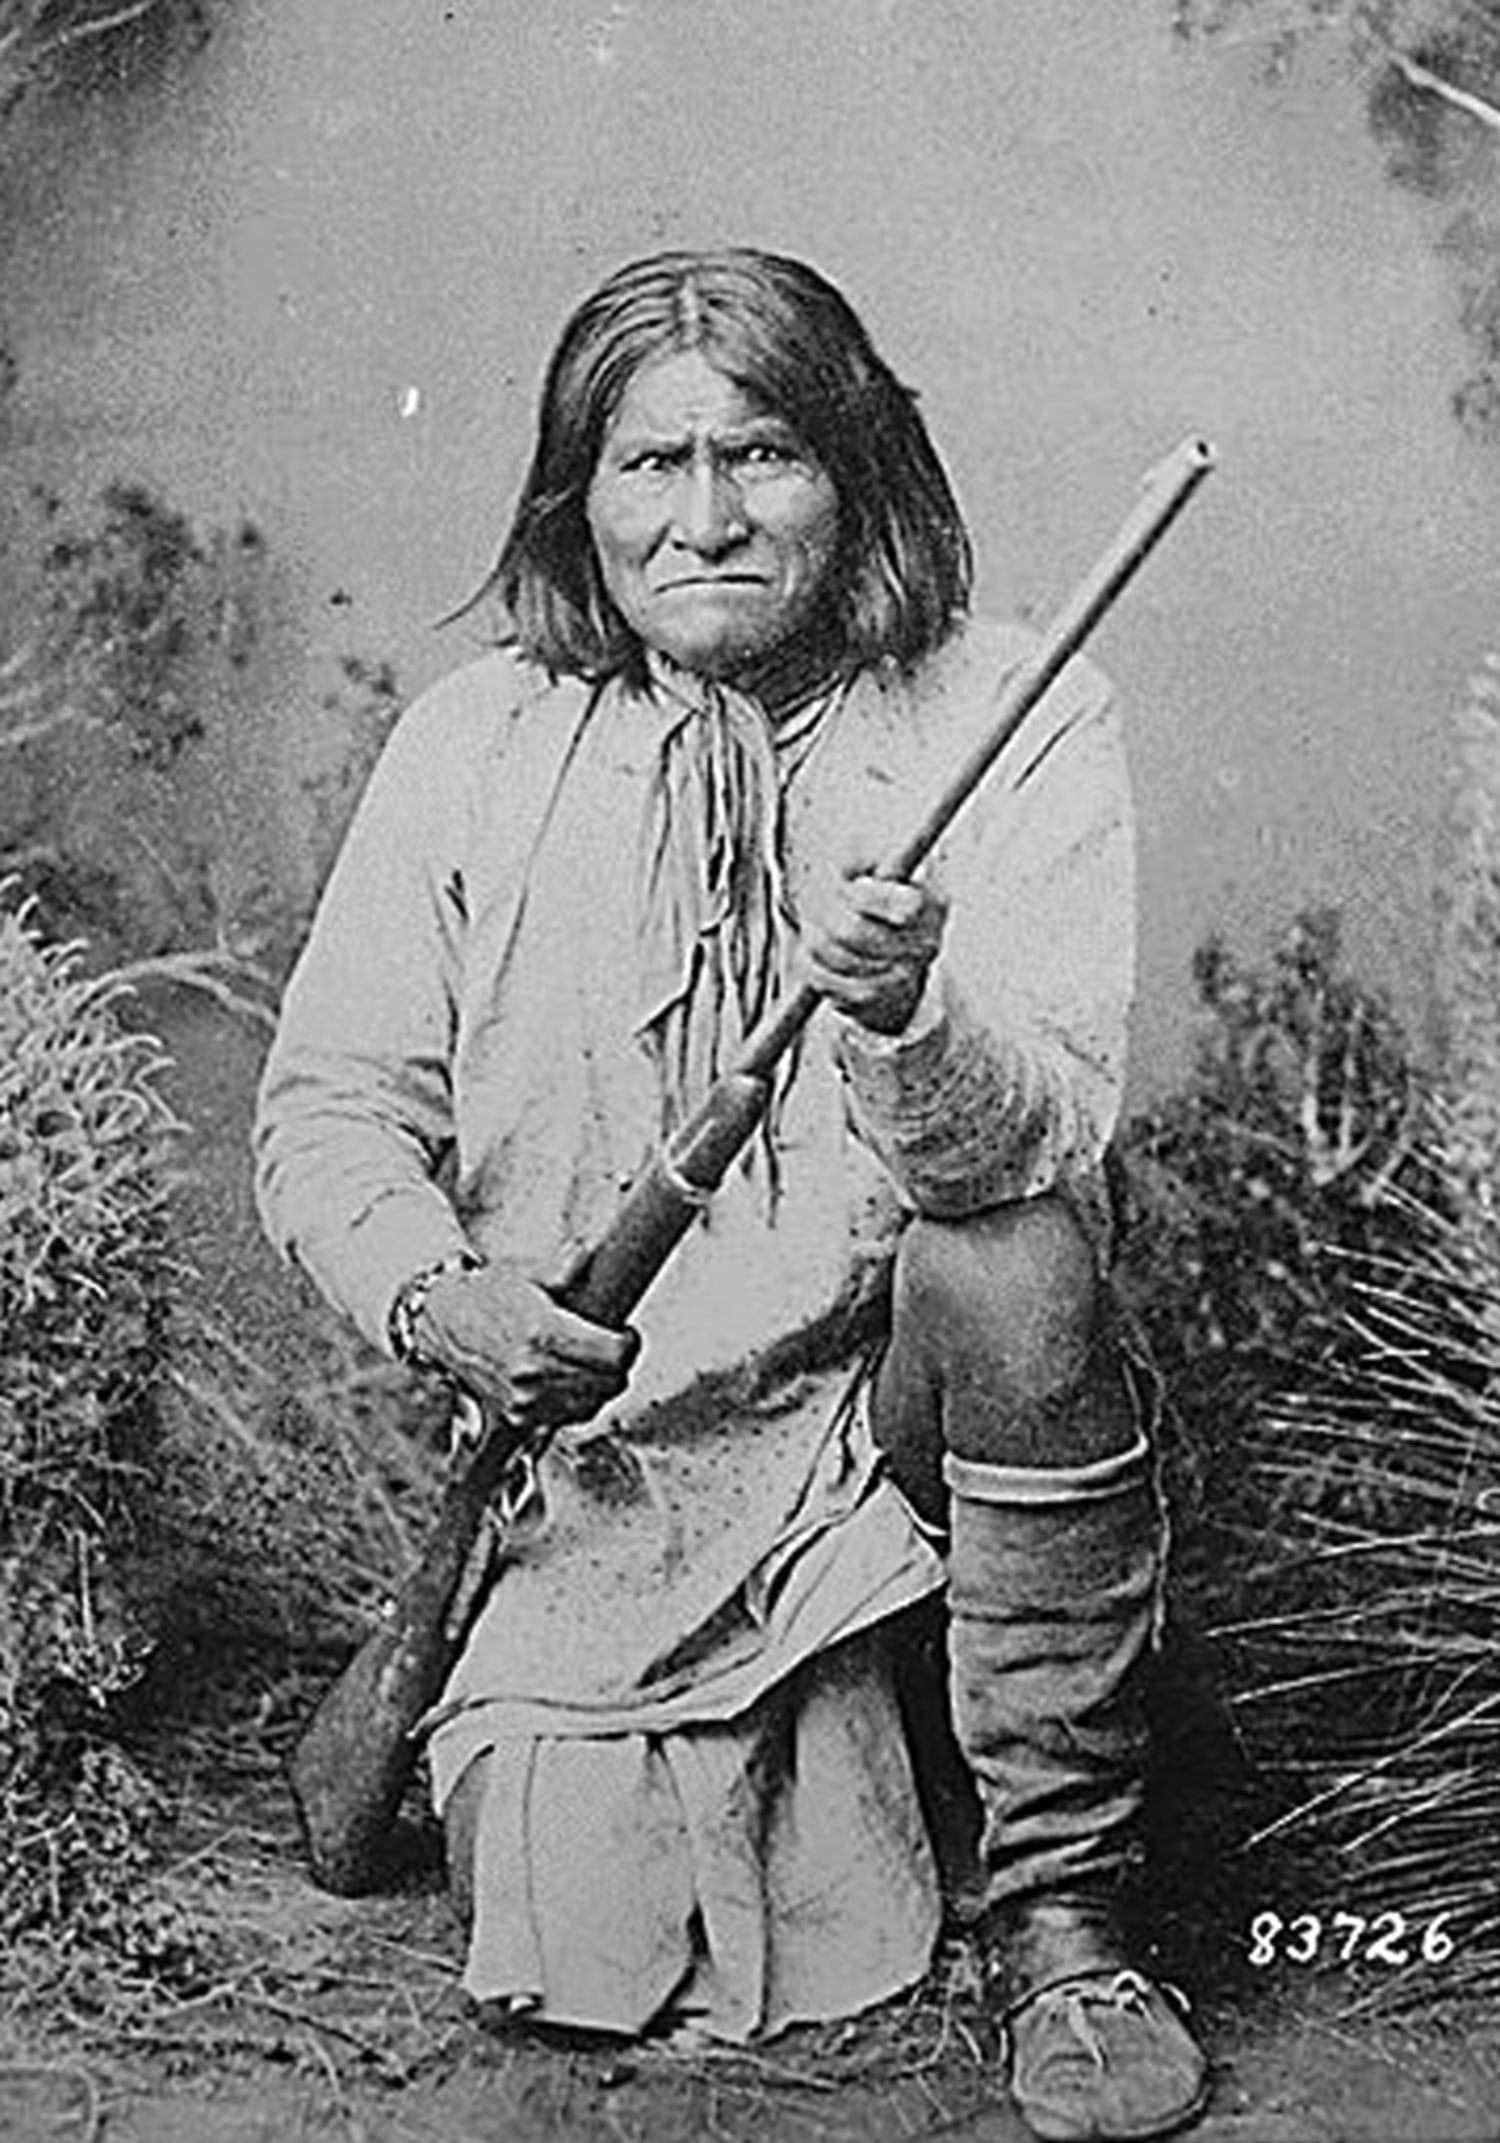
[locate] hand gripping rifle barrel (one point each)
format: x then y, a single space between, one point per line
350 1769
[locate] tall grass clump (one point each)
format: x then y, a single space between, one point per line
1249 1188
1361 1638
85 1276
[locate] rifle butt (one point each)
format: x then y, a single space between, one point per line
351 1767
349 1773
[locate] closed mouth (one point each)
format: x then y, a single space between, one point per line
714 580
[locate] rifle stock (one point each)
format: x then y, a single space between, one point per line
350 1769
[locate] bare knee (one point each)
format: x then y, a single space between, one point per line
1020 1281
1000 1329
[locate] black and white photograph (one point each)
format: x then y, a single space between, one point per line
749 1071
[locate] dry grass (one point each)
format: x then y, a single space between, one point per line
1359 1617
358 2007
1364 1638
295 1501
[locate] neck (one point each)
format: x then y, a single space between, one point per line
790 676
782 682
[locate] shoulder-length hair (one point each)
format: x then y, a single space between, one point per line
793 344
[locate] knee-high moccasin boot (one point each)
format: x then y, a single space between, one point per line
1055 1583
1053 1592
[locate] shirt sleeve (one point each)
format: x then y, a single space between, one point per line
1008 1080
354 1113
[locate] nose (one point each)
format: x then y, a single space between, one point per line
710 513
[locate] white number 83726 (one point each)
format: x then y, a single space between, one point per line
1387 1938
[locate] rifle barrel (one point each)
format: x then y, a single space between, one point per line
1166 489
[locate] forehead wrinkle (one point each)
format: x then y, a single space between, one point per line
658 406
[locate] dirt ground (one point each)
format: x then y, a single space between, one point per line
304 2016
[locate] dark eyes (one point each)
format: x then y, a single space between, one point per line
750 454
765 453
652 461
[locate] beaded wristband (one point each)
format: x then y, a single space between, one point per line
410 1300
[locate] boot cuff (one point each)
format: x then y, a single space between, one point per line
981 1482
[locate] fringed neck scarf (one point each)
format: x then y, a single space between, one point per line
716 922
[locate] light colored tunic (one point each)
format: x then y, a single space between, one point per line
696 1784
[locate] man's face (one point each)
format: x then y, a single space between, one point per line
714 527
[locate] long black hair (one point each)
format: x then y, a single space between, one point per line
794 345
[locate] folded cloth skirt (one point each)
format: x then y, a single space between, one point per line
702 1805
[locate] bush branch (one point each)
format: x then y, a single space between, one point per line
213 973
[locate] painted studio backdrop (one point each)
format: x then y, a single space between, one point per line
278 279
306 276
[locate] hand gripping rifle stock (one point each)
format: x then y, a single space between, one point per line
350 1769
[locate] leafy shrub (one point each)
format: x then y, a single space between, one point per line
116 706
1359 1637
1272 1158
1256 1193
1279 1207
85 1268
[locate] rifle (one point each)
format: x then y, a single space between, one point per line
350 1769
